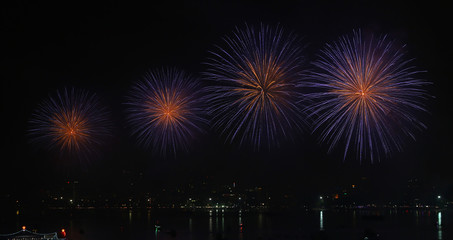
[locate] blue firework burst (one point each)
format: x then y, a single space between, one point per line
254 86
367 96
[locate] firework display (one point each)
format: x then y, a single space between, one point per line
254 86
366 96
362 96
73 122
165 110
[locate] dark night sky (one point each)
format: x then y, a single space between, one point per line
104 48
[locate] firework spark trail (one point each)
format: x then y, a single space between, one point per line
254 86
72 122
165 110
366 96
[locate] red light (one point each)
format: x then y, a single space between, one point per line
63 233
23 228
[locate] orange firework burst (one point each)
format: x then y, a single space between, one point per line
164 110
262 86
255 86
72 122
70 129
363 93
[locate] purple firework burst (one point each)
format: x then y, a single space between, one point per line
165 110
367 96
254 89
73 122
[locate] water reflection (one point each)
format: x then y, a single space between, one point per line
217 221
439 225
223 223
124 224
211 234
241 226
210 223
260 223
321 221
130 216
417 221
216 225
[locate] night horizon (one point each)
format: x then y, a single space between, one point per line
241 129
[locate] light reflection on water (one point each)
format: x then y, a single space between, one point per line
223 223
260 223
190 224
439 225
210 222
241 230
217 231
399 224
130 216
217 220
321 221
417 219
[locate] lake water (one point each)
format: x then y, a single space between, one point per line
326 224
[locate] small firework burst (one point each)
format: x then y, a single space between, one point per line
254 86
73 122
165 110
367 96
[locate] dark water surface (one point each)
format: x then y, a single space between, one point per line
218 224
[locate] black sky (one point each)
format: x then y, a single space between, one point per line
104 48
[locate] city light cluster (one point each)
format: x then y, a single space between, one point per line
360 94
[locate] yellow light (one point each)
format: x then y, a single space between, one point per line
23 228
